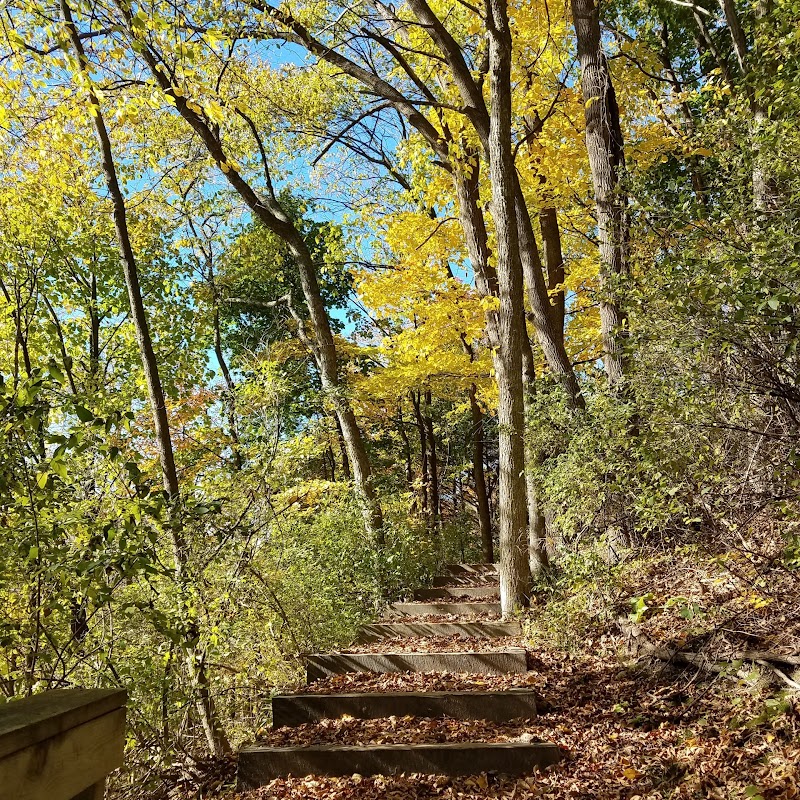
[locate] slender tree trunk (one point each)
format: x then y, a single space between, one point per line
433 466
424 474
217 741
479 477
554 262
604 146
698 182
765 197
551 342
514 567
537 528
343 449
94 336
401 428
230 391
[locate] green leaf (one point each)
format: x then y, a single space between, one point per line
84 415
55 372
60 468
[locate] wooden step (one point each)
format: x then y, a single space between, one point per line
442 593
456 609
493 662
464 630
466 580
471 569
502 706
258 765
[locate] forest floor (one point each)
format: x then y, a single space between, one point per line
677 678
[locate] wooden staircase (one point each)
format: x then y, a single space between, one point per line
467 595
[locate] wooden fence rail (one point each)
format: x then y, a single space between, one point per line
61 745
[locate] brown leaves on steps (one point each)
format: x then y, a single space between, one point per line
462 599
471 580
399 787
458 618
366 682
435 644
396 730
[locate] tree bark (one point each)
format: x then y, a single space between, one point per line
401 428
552 344
424 475
230 391
433 467
343 448
479 477
537 552
554 263
604 146
514 567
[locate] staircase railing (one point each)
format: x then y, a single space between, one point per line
62 744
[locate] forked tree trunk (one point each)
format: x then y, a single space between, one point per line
195 659
604 146
514 567
269 211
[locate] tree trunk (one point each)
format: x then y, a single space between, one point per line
230 391
423 454
401 427
554 262
433 467
94 337
514 567
479 477
604 146
217 740
551 342
537 552
765 198
343 449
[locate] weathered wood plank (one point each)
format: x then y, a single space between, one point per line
455 609
490 662
463 630
34 719
63 766
502 706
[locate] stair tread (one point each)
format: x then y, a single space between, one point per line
401 746
521 690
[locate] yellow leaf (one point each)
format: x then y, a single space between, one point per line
631 773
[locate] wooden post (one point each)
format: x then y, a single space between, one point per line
61 745
96 792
